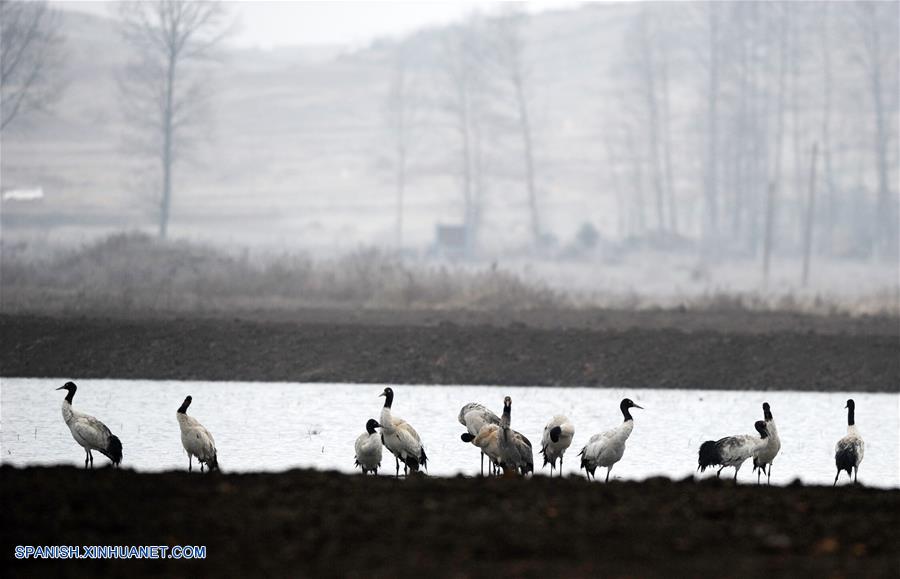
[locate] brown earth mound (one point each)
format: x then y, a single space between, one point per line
305 523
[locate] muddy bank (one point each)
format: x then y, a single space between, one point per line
615 349
305 523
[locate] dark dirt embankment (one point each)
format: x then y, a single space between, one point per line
303 523
738 350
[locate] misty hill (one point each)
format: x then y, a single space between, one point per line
294 150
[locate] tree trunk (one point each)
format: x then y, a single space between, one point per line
667 147
525 124
810 215
830 209
772 196
712 210
887 215
167 157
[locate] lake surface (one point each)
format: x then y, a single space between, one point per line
278 426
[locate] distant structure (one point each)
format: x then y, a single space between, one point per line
30 194
451 240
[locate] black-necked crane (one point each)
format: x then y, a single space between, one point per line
558 435
368 448
766 455
399 437
731 450
475 417
848 452
89 432
607 448
196 439
514 449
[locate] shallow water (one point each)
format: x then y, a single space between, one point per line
277 426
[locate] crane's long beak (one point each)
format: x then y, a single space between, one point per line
380 395
636 406
60 388
377 425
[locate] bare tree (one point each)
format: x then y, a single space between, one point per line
808 221
163 92
712 161
771 213
649 71
461 67
510 56
401 110
30 57
878 54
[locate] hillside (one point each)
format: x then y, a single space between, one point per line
294 150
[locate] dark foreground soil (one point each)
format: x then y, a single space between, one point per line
733 350
303 523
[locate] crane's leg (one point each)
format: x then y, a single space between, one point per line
85 458
201 465
91 455
482 464
855 472
609 468
560 466
836 477
190 463
759 474
769 475
397 464
718 472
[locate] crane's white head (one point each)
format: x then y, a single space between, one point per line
71 388
761 428
184 405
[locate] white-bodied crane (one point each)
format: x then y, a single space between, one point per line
731 450
399 437
558 435
196 439
368 448
475 417
766 455
607 448
848 452
89 432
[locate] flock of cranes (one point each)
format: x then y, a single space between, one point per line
507 450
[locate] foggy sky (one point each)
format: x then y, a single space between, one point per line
268 24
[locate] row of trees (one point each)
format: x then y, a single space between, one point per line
719 109
163 88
